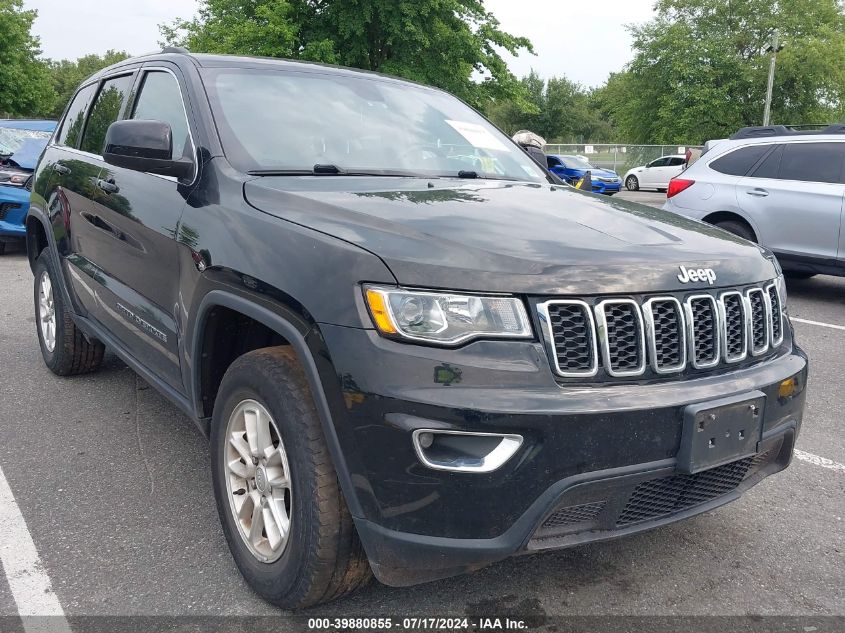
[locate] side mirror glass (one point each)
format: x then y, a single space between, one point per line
145 146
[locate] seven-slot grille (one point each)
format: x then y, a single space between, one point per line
668 335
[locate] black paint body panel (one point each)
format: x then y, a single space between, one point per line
145 265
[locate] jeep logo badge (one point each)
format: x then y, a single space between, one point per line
696 274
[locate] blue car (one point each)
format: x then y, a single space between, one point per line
21 144
572 168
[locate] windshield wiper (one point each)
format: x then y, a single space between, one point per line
332 170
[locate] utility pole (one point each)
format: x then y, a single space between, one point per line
774 48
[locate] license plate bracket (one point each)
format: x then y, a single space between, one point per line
721 431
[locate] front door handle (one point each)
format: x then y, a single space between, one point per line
757 193
61 169
107 185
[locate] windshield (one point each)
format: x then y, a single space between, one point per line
12 139
293 121
573 162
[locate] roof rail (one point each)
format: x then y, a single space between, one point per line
763 131
176 49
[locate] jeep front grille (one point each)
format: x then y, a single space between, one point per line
574 334
621 330
759 321
624 337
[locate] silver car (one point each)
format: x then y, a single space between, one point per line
781 188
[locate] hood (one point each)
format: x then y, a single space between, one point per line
494 236
28 153
602 173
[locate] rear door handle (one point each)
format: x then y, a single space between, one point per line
107 186
61 169
757 193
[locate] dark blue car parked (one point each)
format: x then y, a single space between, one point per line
21 144
572 168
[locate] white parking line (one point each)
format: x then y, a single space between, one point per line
25 572
824 462
808 322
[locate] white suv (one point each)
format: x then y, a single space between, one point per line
776 186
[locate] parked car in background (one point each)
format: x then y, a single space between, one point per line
21 143
781 188
655 175
572 168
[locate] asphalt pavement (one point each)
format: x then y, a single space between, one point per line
113 484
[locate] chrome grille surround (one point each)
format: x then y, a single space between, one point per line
776 313
727 301
610 329
655 336
591 348
760 321
699 308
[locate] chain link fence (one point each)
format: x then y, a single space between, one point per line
619 158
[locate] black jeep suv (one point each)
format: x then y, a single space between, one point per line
412 353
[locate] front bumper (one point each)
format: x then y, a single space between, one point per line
14 205
606 187
589 452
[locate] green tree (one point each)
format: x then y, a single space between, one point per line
700 68
559 110
24 84
66 75
452 44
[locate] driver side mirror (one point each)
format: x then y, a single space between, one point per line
145 146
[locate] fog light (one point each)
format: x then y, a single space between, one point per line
426 440
464 451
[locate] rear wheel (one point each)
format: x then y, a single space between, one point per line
632 184
278 497
738 228
65 349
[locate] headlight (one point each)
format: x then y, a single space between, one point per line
780 284
443 317
13 177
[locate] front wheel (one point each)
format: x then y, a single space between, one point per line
65 349
277 493
632 184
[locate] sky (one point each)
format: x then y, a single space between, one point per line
574 39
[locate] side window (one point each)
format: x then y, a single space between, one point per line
106 110
72 126
660 162
161 100
740 161
812 162
676 162
770 166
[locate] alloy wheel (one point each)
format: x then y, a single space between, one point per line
258 480
47 312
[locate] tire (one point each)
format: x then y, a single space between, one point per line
661 191
320 558
65 349
632 183
798 274
738 228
